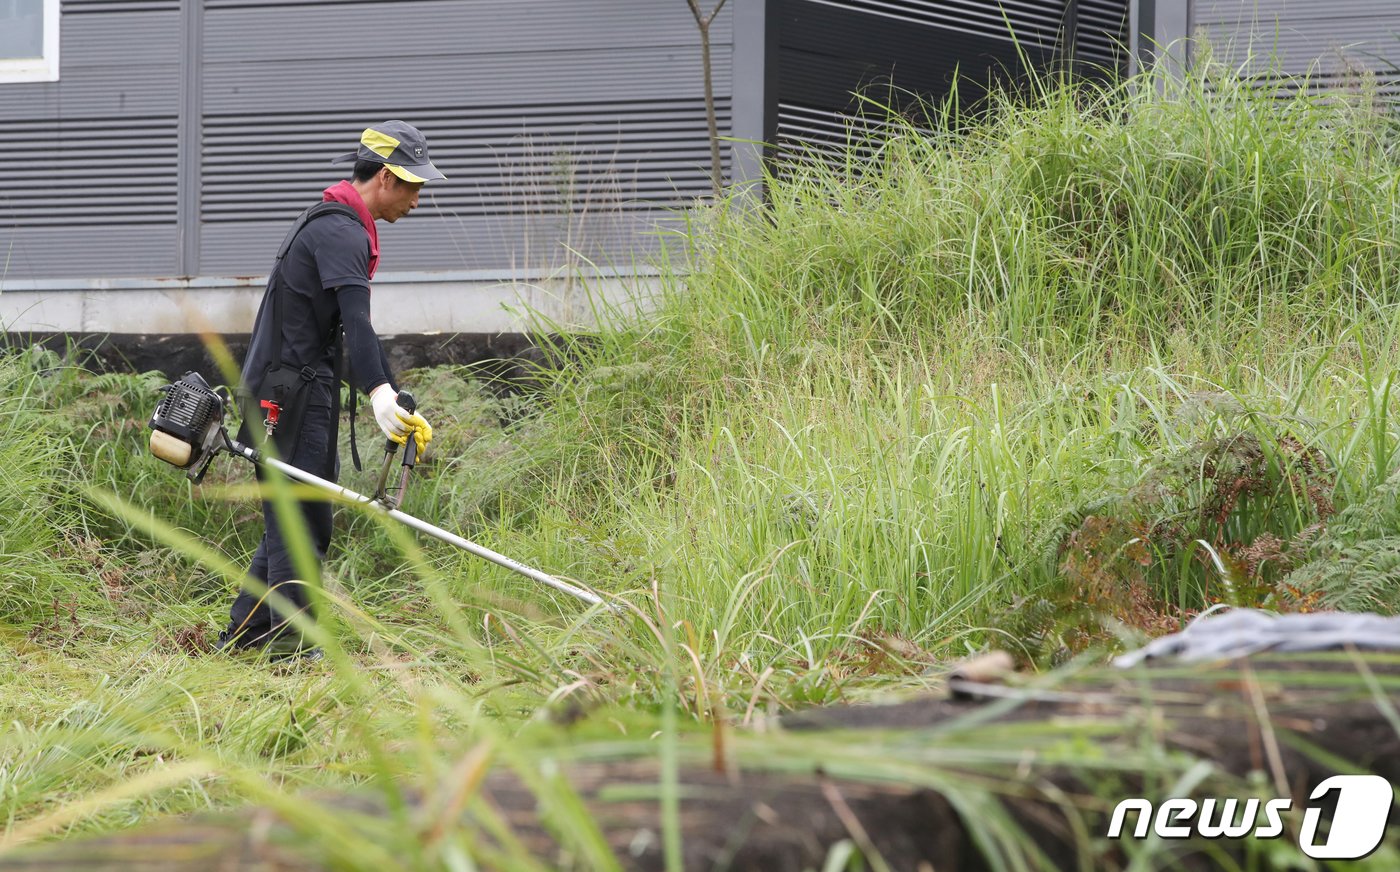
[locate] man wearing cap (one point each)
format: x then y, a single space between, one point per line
318 292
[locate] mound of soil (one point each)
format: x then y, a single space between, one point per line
1297 719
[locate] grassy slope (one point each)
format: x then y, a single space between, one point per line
864 428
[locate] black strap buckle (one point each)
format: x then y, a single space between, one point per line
308 373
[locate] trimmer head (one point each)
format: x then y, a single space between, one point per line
187 429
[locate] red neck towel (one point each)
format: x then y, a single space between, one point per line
344 192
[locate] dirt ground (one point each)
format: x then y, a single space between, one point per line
1276 715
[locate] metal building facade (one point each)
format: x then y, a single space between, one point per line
183 135
1333 43
893 51
161 168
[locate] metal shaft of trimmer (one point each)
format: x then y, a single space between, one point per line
421 526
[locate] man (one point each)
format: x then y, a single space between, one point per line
316 308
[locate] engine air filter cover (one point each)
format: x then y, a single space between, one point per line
186 422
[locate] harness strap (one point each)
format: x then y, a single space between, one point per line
342 373
298 411
273 280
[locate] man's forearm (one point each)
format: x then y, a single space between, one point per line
368 364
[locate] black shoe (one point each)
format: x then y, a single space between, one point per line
277 649
288 646
231 643
298 655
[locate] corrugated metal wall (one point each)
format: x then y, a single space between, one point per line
90 186
562 125
829 49
1101 34
1333 40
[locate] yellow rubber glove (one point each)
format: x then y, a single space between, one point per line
420 428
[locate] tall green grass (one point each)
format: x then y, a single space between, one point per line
867 408
41 541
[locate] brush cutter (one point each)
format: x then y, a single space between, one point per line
188 432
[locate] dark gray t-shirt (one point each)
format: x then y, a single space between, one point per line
328 261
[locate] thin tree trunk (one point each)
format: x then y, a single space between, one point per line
703 23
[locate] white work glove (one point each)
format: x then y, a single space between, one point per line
388 414
396 421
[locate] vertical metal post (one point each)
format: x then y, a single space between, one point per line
1160 36
191 133
1142 36
754 106
1174 34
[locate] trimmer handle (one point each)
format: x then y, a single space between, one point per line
410 449
406 400
410 446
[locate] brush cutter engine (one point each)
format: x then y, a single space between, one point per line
187 429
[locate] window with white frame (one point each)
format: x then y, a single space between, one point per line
29 40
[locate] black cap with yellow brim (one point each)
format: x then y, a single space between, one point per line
399 146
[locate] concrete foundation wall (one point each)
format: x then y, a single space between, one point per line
420 303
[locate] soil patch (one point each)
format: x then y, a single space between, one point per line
1291 720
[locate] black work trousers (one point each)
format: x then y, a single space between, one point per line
252 620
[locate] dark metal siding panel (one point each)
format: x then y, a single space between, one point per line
1035 23
86 7
513 172
828 51
91 251
526 105
1236 12
499 160
536 244
812 132
433 239
831 49
504 88
113 64
120 41
1103 33
423 29
408 83
118 91
102 171
97 197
